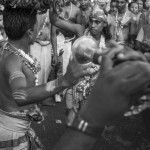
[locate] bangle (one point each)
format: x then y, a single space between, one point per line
85 127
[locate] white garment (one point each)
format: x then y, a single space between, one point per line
12 128
43 55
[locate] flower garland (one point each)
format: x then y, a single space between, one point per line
30 4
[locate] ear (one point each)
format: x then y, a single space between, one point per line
29 34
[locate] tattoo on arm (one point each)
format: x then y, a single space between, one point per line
14 75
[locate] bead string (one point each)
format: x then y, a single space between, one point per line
69 14
118 31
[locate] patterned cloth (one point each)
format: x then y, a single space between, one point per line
15 128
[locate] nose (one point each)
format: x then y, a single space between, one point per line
93 24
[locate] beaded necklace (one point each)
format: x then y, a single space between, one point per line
69 14
119 25
28 60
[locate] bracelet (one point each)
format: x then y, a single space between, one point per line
85 127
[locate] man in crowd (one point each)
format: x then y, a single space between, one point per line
145 16
62 40
86 8
19 76
113 7
122 25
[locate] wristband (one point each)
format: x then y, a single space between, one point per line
83 126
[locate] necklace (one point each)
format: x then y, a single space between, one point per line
119 25
28 60
69 14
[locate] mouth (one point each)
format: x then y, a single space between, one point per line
93 30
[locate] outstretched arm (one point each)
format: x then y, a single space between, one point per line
22 85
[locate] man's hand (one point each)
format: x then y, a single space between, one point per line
117 87
76 71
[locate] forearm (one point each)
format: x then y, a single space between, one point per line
75 140
54 39
54 44
30 95
77 29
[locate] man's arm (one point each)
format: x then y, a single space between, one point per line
54 41
24 93
78 17
77 29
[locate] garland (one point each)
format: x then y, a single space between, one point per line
29 4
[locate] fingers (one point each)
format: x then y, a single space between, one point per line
136 76
108 59
130 54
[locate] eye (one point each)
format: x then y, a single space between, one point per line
97 22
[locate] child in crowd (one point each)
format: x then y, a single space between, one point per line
134 8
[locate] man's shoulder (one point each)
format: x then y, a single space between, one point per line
11 61
77 9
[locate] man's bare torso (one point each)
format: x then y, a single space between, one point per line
6 100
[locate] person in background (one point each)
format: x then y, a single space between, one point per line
3 36
144 18
102 4
113 7
76 96
134 8
143 41
141 5
61 40
86 8
121 26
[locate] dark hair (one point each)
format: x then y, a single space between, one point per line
113 1
17 21
129 5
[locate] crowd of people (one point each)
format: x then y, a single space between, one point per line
92 54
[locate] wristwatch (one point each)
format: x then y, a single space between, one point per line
75 121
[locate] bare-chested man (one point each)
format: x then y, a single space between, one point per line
70 13
121 25
61 40
19 91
